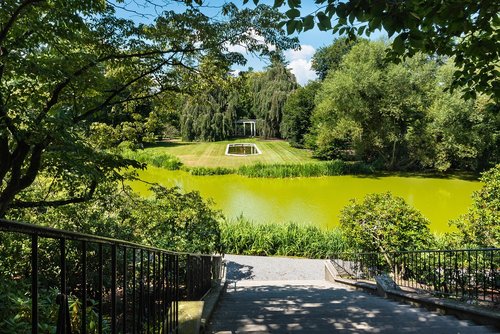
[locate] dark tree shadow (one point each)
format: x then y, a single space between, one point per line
238 272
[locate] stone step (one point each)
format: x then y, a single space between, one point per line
313 320
400 330
284 307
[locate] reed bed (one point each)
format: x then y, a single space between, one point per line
202 171
314 169
243 237
327 168
157 159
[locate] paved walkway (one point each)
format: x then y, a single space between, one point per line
263 298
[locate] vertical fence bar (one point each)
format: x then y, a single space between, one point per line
134 251
113 289
141 292
148 292
153 315
63 315
176 297
84 287
34 284
100 287
493 278
124 316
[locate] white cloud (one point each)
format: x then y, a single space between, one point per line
242 48
300 63
306 52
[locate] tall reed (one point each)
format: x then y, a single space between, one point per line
157 159
243 237
326 168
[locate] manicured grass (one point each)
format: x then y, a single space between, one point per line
213 154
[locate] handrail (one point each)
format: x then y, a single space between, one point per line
132 288
467 274
50 232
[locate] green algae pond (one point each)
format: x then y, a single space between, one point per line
317 200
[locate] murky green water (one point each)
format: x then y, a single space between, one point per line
317 200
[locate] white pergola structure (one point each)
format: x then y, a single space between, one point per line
252 124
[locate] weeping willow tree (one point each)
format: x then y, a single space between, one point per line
207 117
270 91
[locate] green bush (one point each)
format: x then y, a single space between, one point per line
480 226
243 237
384 223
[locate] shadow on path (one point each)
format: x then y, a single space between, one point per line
238 272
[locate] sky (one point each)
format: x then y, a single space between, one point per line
298 61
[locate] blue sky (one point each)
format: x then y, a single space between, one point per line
299 61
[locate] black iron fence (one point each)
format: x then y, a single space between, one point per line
466 274
79 283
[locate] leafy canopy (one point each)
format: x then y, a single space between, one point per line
68 68
468 31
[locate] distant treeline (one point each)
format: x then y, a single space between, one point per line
362 108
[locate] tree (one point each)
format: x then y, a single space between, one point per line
66 65
328 58
480 225
467 31
384 223
368 106
270 91
297 113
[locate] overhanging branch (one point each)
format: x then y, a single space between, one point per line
34 204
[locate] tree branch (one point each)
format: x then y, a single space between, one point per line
108 100
86 197
54 97
14 17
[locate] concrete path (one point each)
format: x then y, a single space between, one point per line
258 301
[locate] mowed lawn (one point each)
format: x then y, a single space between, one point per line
213 154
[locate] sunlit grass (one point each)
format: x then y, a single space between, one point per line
212 154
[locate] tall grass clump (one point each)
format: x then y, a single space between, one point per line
243 237
157 159
327 168
203 171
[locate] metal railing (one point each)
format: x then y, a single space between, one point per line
112 286
465 274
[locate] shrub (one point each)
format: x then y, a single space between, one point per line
384 223
480 226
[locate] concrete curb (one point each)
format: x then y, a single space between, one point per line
443 306
211 300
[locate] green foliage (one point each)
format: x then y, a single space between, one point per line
77 82
297 113
480 226
244 237
399 117
157 159
384 223
169 219
328 58
328 168
199 171
210 115
270 92
467 31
